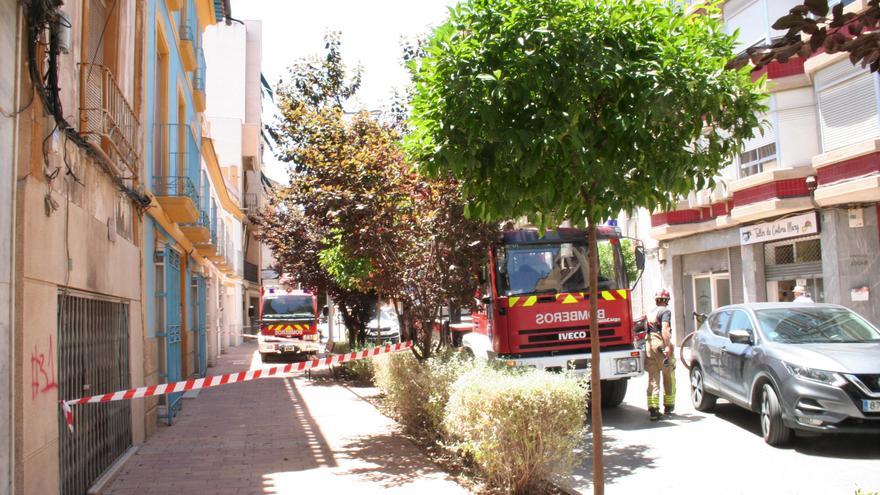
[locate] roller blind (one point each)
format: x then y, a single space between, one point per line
847 105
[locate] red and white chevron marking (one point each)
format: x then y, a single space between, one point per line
218 380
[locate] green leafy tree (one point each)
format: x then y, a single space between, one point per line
578 109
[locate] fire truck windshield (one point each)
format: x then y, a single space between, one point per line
288 306
555 268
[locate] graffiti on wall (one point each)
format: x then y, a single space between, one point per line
43 370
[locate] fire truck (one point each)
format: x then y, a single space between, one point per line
535 309
288 321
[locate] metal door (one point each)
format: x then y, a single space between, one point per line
201 324
93 359
172 329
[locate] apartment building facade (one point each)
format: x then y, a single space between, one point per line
104 210
234 114
799 205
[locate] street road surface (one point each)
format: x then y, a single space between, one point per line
721 453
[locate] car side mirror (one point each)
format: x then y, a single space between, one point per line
486 300
640 257
740 336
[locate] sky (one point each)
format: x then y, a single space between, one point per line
371 33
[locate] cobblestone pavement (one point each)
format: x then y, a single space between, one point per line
279 435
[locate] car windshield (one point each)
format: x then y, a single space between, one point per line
288 306
555 268
805 325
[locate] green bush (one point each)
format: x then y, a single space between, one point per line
417 392
360 371
520 428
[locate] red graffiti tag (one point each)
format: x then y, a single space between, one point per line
43 370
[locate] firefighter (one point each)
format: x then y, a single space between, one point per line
659 357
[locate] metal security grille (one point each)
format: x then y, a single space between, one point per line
93 359
795 258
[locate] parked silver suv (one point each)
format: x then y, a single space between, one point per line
813 367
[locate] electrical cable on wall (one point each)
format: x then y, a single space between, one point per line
41 16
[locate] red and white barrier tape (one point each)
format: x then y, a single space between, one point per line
217 380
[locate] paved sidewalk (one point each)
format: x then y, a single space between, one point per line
279 435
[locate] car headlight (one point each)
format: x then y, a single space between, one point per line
814 375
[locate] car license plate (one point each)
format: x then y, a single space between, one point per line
871 405
288 347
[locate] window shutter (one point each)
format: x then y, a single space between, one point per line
848 111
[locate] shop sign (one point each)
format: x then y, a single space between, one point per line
780 229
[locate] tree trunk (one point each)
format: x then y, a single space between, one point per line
596 388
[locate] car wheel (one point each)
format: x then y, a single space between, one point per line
613 392
702 400
772 427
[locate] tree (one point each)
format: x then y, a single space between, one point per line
811 30
355 220
342 170
578 109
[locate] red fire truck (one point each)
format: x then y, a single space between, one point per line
288 322
536 310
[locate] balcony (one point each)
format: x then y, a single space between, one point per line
198 81
251 202
198 232
189 32
178 198
208 248
107 120
176 165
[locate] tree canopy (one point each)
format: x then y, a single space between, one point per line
535 105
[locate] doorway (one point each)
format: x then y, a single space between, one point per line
783 290
711 291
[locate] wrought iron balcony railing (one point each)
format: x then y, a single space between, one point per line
251 202
188 21
201 70
106 118
170 185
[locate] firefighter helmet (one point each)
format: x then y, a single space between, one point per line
662 294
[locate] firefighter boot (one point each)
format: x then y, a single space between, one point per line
654 413
668 410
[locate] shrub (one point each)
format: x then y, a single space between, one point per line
520 428
361 370
417 392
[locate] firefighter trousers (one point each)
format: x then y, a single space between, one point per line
655 368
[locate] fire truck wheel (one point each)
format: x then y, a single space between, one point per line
266 357
613 392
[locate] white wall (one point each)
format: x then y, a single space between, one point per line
225 58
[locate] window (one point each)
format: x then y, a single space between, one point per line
718 323
803 250
847 97
740 321
752 162
818 325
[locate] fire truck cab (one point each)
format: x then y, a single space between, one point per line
535 308
288 322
